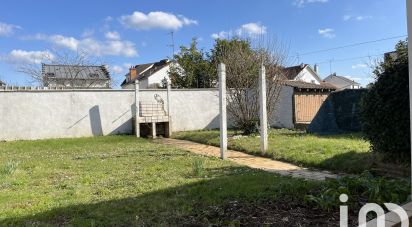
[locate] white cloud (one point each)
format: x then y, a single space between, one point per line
356 18
357 66
64 41
114 47
30 57
153 20
87 33
250 29
37 36
108 47
7 29
221 35
302 3
112 35
327 33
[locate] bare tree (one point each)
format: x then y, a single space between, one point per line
243 59
74 78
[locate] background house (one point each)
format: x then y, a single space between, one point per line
76 76
2 84
150 75
341 82
302 72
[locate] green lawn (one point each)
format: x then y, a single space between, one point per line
340 153
121 180
124 181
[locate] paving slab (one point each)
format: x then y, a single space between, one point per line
267 164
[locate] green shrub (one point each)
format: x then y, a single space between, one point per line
385 107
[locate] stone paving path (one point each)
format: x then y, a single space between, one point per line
256 162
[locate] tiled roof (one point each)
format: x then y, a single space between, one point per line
75 71
143 67
292 72
333 77
155 67
304 85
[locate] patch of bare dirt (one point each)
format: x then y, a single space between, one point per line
265 213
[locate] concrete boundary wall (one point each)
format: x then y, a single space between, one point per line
41 114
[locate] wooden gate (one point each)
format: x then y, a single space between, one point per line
307 104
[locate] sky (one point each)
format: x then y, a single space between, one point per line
125 33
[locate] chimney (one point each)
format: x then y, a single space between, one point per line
316 68
133 73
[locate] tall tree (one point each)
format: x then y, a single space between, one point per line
222 46
193 68
243 61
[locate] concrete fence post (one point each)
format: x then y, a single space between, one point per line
137 106
169 91
263 110
222 108
409 22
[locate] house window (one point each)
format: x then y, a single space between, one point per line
313 81
50 74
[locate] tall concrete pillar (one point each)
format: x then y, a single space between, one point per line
169 124
262 110
137 106
222 109
409 22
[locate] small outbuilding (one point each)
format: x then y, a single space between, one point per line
307 99
303 93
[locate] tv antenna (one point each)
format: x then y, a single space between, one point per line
172 45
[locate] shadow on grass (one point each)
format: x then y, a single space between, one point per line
349 162
195 203
330 136
212 135
356 163
340 136
352 161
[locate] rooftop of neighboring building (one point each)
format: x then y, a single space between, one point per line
144 70
75 71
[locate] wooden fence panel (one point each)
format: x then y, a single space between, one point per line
307 104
